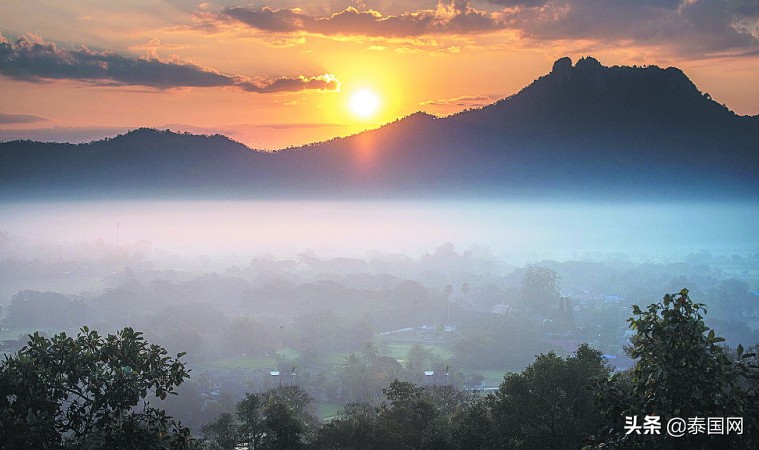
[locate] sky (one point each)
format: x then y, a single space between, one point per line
284 72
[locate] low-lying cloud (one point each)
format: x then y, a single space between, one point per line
13 119
468 101
326 82
30 58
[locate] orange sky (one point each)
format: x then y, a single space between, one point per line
279 73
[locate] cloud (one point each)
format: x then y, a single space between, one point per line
269 19
467 101
518 3
456 17
30 58
691 27
8 119
326 82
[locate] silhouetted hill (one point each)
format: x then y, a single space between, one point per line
144 162
582 130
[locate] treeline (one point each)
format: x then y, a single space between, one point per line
82 392
364 297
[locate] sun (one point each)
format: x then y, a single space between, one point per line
364 103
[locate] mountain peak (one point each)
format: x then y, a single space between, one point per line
588 63
582 129
562 65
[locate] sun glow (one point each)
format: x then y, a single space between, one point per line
364 103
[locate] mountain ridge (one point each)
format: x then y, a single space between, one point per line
580 130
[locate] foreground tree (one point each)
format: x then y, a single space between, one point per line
223 432
281 418
412 417
550 404
84 392
681 372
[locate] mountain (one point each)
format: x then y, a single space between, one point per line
583 130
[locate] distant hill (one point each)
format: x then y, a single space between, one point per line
581 131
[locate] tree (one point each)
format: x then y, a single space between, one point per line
540 289
354 427
681 372
32 309
83 392
284 428
430 417
252 429
551 403
355 380
731 298
406 420
223 432
297 401
276 419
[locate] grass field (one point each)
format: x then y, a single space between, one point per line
493 377
326 410
399 351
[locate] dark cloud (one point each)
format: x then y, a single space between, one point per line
8 119
670 4
322 82
692 27
29 58
456 17
268 19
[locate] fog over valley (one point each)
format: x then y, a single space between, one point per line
517 231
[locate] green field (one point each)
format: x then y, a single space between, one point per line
493 377
325 410
399 351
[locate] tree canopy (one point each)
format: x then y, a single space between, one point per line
550 404
84 392
681 371
540 287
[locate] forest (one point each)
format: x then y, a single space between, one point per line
452 349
